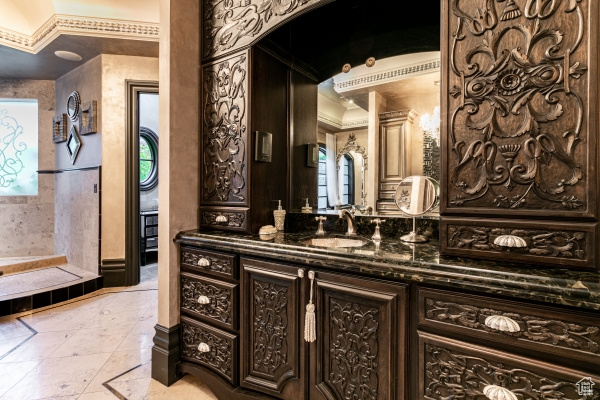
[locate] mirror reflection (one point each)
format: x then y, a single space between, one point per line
376 126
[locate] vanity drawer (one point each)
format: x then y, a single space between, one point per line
225 218
210 262
387 195
212 300
388 186
537 328
387 207
210 347
451 369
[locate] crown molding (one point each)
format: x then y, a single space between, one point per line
391 75
336 123
60 24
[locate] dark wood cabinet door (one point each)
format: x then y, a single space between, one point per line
519 129
224 131
272 349
360 348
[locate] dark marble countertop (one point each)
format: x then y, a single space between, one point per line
395 260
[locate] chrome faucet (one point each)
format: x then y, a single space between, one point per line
351 222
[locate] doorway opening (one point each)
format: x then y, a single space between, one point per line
141 181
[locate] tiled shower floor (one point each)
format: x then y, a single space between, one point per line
94 347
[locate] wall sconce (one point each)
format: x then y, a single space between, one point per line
431 124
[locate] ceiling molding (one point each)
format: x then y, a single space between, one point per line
82 26
342 125
391 75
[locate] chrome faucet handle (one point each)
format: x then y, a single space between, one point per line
377 235
320 230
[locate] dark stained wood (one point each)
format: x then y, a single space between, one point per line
222 265
303 130
541 329
361 339
519 124
269 113
476 369
273 357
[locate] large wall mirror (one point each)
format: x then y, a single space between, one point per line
377 68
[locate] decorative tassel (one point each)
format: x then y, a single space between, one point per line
310 323
511 11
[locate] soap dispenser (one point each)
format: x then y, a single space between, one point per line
279 216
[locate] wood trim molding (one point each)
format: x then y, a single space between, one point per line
132 181
165 355
60 24
113 271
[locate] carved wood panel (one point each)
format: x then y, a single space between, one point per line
450 369
209 299
543 242
271 328
210 347
224 131
214 263
360 345
230 219
545 330
233 24
519 107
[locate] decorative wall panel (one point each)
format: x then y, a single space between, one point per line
233 24
519 107
224 131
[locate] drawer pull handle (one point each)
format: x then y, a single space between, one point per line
502 323
203 300
204 262
511 241
203 348
494 392
221 219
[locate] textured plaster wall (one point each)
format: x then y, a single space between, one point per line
178 194
77 207
87 81
149 118
27 222
115 71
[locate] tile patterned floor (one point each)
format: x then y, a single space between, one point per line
94 347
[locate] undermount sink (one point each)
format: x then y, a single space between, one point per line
335 242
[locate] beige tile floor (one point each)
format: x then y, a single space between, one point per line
93 347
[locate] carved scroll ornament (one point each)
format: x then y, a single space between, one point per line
270 327
518 103
223 266
219 305
451 374
532 328
354 350
230 24
220 354
224 130
571 245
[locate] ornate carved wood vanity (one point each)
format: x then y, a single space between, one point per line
519 184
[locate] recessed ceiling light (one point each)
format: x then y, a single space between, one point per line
67 55
436 83
351 101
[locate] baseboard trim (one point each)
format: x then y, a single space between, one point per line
113 271
165 355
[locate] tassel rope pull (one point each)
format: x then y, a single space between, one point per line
310 324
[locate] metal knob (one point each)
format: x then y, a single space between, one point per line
204 262
203 300
502 323
221 219
203 348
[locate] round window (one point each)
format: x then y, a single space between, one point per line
148 159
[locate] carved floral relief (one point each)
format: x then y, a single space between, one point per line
517 104
224 137
354 350
230 24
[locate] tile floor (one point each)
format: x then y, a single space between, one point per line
94 347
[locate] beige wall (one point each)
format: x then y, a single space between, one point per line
27 222
178 192
115 71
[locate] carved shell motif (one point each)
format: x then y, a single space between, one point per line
502 323
510 241
494 392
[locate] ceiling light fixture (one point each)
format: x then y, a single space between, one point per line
436 83
67 55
